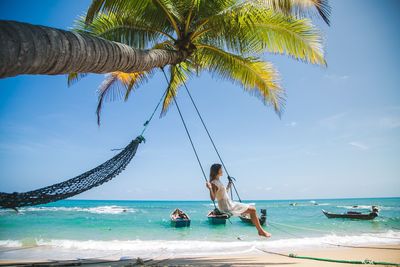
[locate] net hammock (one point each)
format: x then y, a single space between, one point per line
79 184
93 178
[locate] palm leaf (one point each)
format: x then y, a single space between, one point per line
177 78
125 29
74 77
156 14
249 30
300 8
114 6
118 85
256 77
170 11
297 38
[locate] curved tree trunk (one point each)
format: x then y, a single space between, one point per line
32 49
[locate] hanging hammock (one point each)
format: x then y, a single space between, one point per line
79 184
95 177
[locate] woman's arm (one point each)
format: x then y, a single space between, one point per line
213 188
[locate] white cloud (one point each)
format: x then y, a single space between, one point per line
336 77
359 145
291 124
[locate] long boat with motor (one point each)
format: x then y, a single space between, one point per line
262 219
179 218
217 217
354 214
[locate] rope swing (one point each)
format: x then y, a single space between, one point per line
230 178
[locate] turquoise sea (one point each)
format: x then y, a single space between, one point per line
82 228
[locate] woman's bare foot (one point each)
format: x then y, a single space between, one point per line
264 233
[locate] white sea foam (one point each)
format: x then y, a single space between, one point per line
359 207
323 204
153 248
10 243
99 210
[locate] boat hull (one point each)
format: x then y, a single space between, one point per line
180 223
244 219
217 219
355 216
262 219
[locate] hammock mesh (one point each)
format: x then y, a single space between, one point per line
95 177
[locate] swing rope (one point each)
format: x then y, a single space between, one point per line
187 132
230 178
146 124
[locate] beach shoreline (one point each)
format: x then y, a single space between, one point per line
107 231
380 254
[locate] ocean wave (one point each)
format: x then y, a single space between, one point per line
147 248
98 210
11 243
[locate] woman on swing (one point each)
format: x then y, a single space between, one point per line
225 204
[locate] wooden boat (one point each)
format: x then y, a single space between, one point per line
353 214
179 219
246 217
216 217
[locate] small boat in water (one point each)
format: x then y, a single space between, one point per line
217 217
354 214
179 219
246 217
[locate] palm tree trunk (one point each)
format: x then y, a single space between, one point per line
32 49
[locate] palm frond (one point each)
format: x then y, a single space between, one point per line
161 15
169 10
208 9
129 30
249 30
114 6
74 77
297 38
257 77
300 8
176 79
118 85
192 10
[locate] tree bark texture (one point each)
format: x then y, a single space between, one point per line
33 49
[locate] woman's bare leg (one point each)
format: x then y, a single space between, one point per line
254 219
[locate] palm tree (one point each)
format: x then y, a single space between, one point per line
226 37
130 38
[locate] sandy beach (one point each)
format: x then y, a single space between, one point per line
381 254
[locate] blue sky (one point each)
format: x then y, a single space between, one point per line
338 137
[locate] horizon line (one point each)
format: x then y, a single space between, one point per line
301 199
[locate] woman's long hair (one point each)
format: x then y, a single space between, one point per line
214 171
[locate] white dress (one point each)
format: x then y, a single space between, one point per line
225 204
